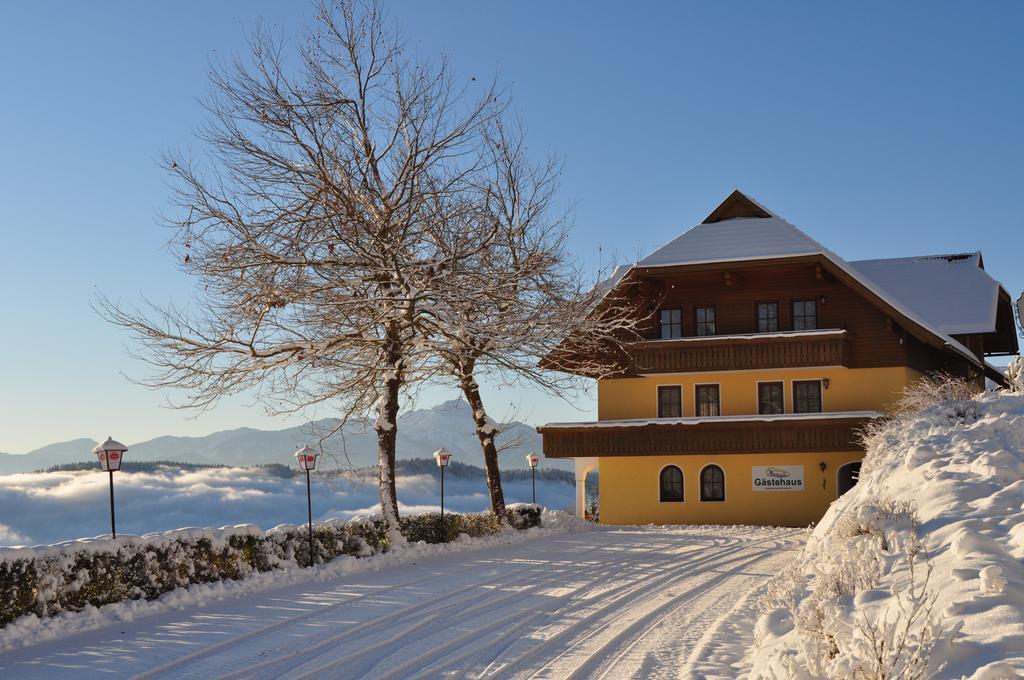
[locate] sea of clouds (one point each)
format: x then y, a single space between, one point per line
40 508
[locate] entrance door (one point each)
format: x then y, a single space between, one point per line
848 476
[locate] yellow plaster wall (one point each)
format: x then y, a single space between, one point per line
849 389
629 490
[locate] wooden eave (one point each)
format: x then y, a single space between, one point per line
708 437
1003 338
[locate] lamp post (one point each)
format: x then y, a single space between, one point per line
306 458
532 458
442 457
110 454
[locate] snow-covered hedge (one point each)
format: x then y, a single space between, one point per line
71 576
917 572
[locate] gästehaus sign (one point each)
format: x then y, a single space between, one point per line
778 478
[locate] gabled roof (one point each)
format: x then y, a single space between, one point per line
741 230
737 204
753 233
953 293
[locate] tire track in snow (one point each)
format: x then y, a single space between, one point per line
400 643
641 588
727 641
237 660
646 618
290 651
647 602
305 616
703 601
577 632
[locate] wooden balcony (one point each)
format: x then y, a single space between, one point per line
793 349
787 433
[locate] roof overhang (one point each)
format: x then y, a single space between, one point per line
792 433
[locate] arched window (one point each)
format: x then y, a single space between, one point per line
671 485
848 476
712 484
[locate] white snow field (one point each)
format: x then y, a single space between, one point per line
643 602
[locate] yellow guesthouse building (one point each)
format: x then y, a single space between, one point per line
763 355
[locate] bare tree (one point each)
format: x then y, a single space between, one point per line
319 227
523 296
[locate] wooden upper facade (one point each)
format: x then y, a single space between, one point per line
855 323
849 328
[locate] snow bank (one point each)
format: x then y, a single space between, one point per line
917 572
80 585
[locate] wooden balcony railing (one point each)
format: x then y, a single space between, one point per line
709 436
740 352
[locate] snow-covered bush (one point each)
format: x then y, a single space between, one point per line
1015 373
74 575
917 571
430 528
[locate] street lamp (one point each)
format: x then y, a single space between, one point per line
533 459
442 457
306 458
110 454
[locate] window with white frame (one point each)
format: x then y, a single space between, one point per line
670 401
671 323
770 398
705 320
707 400
805 315
806 396
767 317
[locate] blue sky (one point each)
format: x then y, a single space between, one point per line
882 129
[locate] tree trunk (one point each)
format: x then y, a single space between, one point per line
387 431
486 432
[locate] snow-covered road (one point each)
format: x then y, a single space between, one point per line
646 602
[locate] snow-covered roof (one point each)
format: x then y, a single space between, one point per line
605 286
951 292
739 239
785 417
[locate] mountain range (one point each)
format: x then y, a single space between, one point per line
420 433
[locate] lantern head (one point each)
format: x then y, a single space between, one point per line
306 458
533 459
442 457
110 453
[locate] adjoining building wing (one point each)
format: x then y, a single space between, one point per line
952 293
